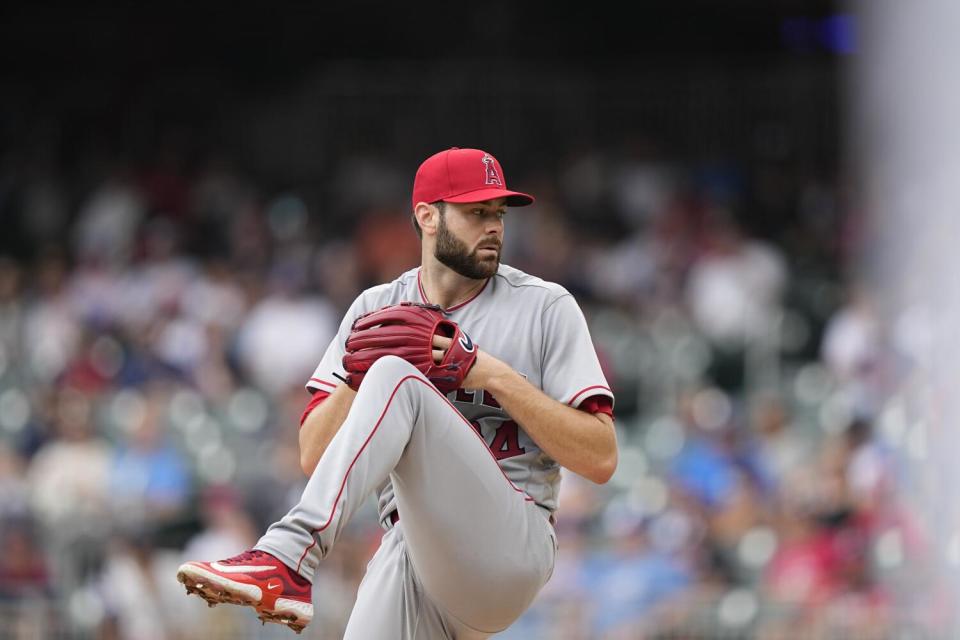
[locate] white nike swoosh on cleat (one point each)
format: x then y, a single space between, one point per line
227 568
273 586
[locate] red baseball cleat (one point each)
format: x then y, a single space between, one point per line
255 579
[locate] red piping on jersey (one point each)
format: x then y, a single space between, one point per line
329 384
583 391
423 295
343 484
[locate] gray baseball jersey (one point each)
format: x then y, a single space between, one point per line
474 542
533 325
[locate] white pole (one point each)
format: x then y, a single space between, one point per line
904 125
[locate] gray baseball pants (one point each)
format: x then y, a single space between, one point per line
470 551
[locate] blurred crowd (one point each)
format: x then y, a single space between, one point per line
158 320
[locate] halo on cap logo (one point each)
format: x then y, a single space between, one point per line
492 176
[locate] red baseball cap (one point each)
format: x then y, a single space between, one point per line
464 175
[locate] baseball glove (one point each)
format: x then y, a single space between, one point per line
406 330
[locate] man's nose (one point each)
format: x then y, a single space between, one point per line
494 227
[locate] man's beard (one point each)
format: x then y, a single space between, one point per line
453 252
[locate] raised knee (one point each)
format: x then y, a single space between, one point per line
391 367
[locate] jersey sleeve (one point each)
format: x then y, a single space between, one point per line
571 370
323 378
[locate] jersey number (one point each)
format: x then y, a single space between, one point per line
506 440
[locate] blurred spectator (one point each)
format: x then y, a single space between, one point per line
734 294
149 479
24 573
96 362
279 482
161 275
226 528
180 342
870 472
823 550
14 488
214 297
68 475
633 578
285 334
782 448
705 467
51 331
140 593
106 226
851 342
70 495
857 350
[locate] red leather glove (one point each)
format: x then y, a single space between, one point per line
406 330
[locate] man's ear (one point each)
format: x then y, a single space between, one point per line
428 217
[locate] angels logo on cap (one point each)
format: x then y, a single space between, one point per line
492 177
464 175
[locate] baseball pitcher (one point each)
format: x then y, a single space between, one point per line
456 393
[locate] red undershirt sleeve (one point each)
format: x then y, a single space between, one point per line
597 404
318 397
